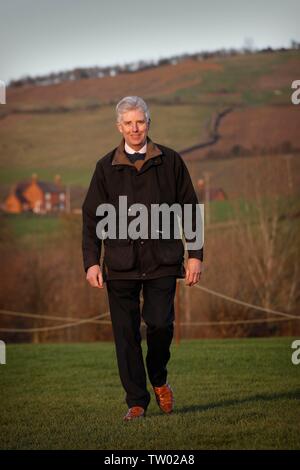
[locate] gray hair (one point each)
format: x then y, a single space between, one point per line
129 103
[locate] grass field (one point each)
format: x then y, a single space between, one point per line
230 394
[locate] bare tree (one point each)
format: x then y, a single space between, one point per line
268 238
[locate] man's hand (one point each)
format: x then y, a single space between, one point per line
94 276
193 271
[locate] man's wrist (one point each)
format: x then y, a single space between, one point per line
91 266
195 255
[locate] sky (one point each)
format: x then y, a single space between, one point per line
42 36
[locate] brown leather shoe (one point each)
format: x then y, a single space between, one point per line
164 397
135 412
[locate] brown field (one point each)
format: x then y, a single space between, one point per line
281 75
165 79
257 129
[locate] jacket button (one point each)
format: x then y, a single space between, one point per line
144 274
142 243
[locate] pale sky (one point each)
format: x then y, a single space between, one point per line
42 36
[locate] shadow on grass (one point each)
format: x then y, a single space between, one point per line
295 394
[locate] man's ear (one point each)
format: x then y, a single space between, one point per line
149 122
119 127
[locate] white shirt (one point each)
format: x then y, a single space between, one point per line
128 149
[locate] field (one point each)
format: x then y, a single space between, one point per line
230 394
183 99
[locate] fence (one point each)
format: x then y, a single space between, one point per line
71 322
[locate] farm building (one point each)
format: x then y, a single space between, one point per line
210 193
36 196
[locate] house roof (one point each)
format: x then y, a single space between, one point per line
45 186
20 196
50 187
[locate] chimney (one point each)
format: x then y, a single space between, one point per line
34 178
57 180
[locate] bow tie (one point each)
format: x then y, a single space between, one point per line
133 157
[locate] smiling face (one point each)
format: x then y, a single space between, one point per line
134 128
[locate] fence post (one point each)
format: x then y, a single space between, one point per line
177 313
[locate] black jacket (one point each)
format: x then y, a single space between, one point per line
161 178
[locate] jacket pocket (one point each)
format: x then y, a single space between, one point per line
119 255
169 252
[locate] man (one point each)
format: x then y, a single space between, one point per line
147 174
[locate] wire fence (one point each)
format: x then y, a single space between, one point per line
74 322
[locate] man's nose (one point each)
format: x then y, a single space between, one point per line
134 127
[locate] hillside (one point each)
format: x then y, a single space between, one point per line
65 128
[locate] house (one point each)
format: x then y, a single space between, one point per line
36 196
212 194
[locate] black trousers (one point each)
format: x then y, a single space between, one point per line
158 314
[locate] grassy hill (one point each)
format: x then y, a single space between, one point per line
240 79
65 128
230 394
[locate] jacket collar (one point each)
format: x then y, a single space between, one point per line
120 157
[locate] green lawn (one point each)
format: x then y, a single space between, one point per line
230 394
26 224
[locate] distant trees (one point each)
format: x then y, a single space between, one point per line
295 44
81 73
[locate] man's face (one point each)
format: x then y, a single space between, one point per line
134 127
